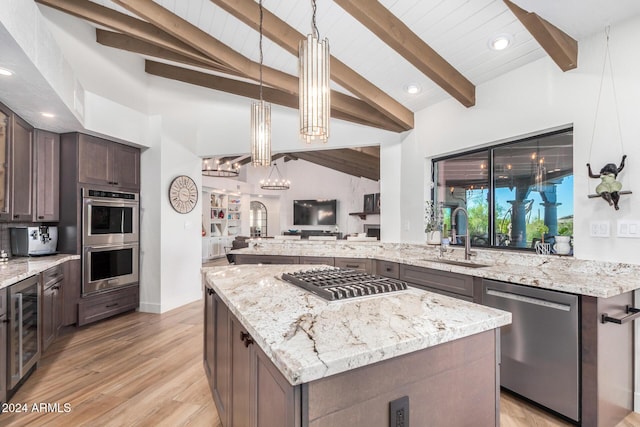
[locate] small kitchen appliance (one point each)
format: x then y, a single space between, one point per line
33 241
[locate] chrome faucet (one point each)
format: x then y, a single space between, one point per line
467 240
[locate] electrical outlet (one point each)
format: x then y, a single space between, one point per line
399 412
599 229
628 228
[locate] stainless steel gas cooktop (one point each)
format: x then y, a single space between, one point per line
334 283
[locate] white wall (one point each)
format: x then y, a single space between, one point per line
310 181
536 98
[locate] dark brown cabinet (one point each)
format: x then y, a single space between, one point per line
387 269
266 259
3 347
316 260
247 388
442 282
16 184
103 162
46 188
71 294
100 306
52 282
358 264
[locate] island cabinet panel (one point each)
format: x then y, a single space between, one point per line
317 260
444 282
387 269
217 355
266 259
358 264
71 294
446 385
241 378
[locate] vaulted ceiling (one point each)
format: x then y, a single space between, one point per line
378 47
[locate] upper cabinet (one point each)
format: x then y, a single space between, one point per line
46 186
16 178
108 163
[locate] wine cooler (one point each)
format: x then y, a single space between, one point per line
24 320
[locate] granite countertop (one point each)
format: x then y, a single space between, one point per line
559 273
309 338
20 268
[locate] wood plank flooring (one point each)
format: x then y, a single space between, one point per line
142 369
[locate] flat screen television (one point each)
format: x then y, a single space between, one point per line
315 212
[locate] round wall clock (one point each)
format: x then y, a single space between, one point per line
183 194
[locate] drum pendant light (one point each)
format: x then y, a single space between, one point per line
314 90
260 121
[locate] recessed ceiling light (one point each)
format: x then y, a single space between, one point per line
500 41
412 88
5 72
49 115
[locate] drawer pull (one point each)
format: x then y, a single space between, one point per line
632 313
246 339
115 304
210 291
352 265
388 269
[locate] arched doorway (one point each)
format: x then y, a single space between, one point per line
258 219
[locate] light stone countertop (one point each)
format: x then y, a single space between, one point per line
309 338
559 273
20 268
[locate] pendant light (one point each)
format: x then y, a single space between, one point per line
314 90
277 182
260 121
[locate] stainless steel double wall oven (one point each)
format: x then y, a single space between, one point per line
110 239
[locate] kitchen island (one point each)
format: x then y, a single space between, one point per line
281 355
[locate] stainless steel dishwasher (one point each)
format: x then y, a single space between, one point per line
540 353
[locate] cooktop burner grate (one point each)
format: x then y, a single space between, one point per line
334 283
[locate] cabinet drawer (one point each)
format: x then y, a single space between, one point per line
266 259
101 306
316 260
357 264
387 269
443 280
52 275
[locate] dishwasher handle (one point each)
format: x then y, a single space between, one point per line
632 313
528 299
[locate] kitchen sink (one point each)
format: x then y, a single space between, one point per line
455 262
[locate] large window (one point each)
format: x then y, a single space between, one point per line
515 194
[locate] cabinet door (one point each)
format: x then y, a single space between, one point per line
222 361
126 166
21 205
240 376
209 334
94 160
71 292
276 399
47 176
48 322
358 264
4 163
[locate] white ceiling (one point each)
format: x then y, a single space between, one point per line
457 29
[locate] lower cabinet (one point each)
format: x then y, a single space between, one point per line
454 285
266 259
247 388
52 282
103 305
3 347
359 264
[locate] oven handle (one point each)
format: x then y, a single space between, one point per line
110 247
111 202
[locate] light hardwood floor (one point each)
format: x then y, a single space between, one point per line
142 369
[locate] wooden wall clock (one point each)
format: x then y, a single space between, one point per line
183 194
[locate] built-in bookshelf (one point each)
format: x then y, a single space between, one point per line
221 222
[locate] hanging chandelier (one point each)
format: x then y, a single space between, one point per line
275 183
260 121
213 167
314 90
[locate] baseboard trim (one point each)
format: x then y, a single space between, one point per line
149 307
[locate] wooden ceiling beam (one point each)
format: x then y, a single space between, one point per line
560 46
399 37
123 23
237 87
274 28
134 45
218 51
350 168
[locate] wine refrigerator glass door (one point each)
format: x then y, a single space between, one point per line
24 319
